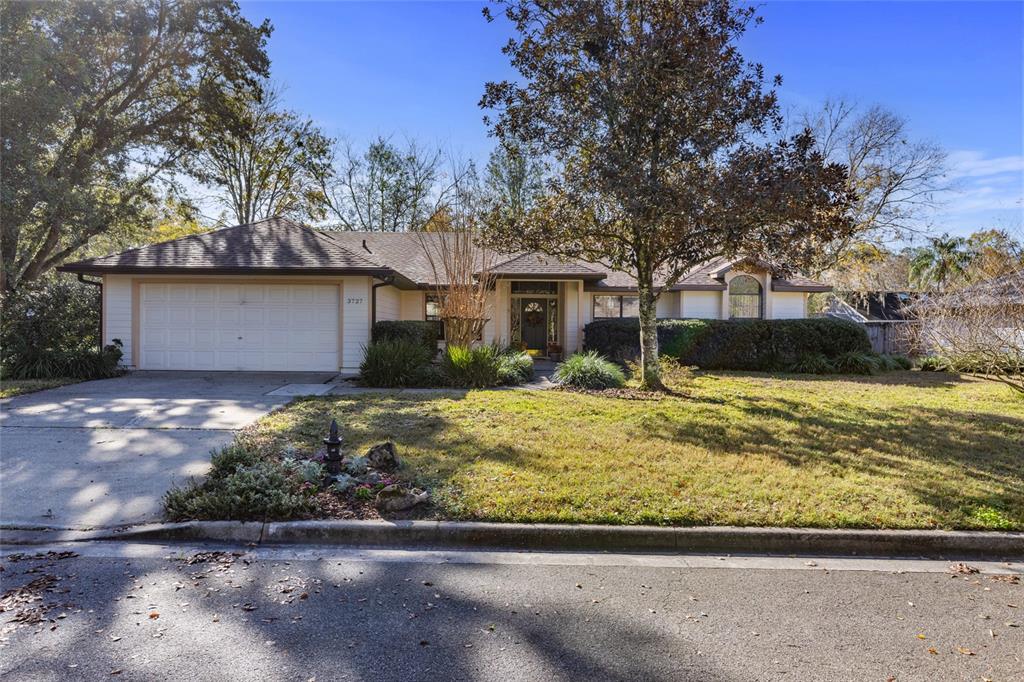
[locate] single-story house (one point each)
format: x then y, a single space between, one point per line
277 295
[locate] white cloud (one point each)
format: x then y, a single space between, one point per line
973 164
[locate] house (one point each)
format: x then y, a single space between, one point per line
277 295
887 317
872 306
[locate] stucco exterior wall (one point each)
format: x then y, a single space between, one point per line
789 305
705 305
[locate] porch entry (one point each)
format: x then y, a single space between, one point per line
534 313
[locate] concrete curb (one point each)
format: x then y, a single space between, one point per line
554 537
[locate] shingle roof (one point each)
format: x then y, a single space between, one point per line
279 245
274 245
538 264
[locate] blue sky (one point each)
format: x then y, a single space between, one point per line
417 69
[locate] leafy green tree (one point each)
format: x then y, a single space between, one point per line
101 101
384 188
514 180
263 159
995 253
656 126
944 262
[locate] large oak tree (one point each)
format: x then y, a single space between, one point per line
660 134
100 99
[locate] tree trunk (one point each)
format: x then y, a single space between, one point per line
650 370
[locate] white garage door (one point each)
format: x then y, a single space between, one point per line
257 327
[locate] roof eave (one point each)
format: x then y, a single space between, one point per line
808 288
94 269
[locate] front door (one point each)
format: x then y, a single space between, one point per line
535 323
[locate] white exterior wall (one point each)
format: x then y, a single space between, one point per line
491 313
502 300
789 305
117 314
668 304
389 303
355 320
413 305
705 305
570 309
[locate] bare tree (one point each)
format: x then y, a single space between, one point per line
461 266
896 180
384 188
264 159
978 330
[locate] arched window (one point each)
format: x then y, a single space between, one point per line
745 298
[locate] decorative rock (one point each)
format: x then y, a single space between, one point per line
383 456
397 498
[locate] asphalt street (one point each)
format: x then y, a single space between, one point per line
146 612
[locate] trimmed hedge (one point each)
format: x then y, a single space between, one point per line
756 345
424 332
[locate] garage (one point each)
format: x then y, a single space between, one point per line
234 326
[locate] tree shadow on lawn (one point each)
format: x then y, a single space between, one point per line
917 457
986 448
915 378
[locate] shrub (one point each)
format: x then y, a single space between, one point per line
856 362
472 367
265 490
763 345
425 332
515 367
934 363
892 363
393 363
813 363
243 486
590 371
52 330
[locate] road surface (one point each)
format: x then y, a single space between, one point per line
145 612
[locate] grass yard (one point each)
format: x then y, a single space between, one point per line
11 388
899 450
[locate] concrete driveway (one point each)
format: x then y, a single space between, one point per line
102 453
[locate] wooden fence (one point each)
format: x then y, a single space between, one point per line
890 336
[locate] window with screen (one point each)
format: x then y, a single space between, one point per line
616 306
745 298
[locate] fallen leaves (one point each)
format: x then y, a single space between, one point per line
963 569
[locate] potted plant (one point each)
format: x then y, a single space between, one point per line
555 352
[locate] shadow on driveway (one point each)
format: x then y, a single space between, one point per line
102 453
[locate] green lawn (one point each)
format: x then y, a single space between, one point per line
9 388
901 450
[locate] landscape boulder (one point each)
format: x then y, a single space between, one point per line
383 457
397 498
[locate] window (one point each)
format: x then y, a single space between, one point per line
744 298
534 287
433 311
616 306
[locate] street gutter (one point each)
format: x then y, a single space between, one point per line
557 537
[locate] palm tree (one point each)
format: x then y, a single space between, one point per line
944 261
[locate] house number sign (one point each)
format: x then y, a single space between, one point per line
353 301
